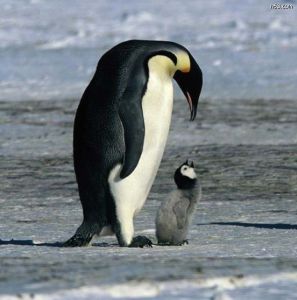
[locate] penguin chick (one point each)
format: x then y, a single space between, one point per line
175 213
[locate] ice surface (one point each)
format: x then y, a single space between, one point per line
222 288
243 238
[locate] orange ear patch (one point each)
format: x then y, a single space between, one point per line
186 70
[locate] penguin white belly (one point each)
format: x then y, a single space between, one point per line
131 192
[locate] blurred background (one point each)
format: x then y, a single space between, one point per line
49 49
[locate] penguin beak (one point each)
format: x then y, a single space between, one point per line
190 83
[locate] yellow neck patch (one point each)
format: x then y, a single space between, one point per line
163 64
183 62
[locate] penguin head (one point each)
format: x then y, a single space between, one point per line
189 78
185 176
181 65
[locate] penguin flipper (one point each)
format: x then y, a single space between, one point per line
180 210
131 116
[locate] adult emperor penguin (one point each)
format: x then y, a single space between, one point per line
120 131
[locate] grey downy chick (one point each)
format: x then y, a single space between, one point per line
175 213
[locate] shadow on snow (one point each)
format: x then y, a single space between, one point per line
31 243
255 225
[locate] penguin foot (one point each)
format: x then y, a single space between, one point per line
78 241
141 241
83 234
185 242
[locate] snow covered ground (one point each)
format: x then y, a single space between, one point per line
243 238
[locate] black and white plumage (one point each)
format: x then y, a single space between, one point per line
175 213
120 132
